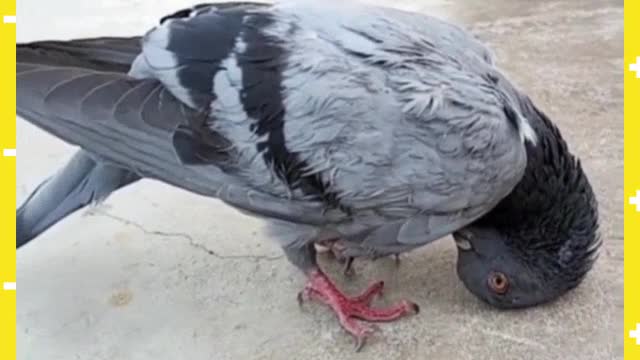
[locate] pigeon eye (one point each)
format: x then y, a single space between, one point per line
498 282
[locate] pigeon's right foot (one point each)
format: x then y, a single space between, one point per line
321 288
332 247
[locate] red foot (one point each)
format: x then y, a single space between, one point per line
319 287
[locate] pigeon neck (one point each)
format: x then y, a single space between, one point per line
551 215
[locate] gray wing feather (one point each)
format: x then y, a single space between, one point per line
125 128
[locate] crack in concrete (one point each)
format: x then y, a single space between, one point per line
512 338
187 237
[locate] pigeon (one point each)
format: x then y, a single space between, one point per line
382 129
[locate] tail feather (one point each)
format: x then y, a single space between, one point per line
81 182
102 54
79 91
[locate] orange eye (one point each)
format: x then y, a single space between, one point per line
498 282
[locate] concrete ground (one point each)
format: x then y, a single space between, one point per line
157 273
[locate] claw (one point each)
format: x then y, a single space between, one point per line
348 267
415 307
360 340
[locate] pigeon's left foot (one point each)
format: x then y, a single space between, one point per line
335 248
321 288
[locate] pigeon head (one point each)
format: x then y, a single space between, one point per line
542 239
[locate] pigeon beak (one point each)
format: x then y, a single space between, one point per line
462 240
463 244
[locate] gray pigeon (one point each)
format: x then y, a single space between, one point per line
381 128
